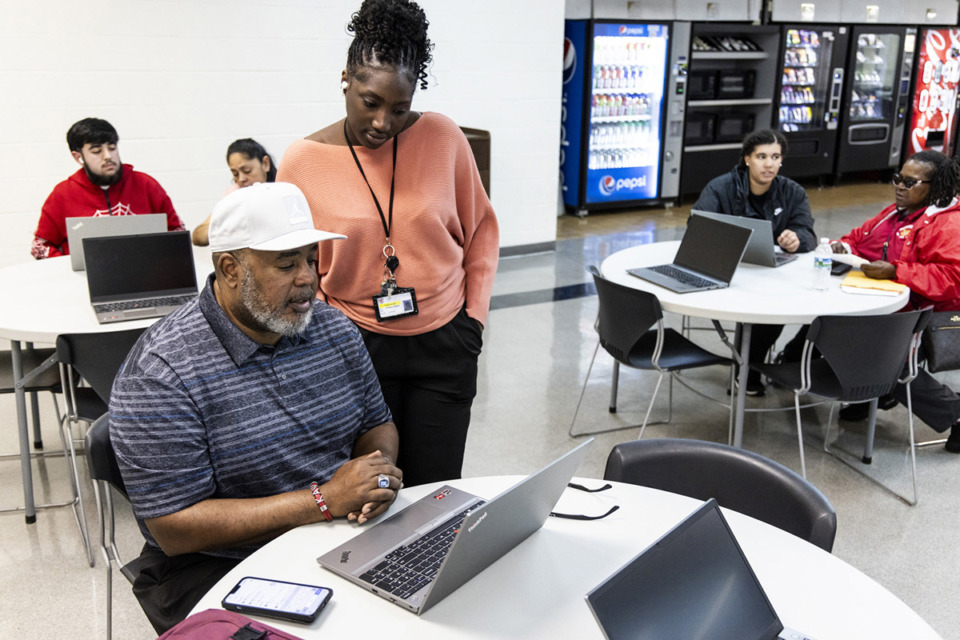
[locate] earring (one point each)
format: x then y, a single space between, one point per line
344 85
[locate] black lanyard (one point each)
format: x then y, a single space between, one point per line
387 225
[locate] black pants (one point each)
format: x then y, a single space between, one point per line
933 402
168 588
429 382
762 337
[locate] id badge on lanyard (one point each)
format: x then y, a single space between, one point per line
392 301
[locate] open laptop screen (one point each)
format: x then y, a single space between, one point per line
712 247
693 583
140 266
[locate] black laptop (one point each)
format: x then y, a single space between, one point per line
140 276
692 583
709 254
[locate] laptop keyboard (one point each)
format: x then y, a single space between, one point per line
409 568
682 276
147 303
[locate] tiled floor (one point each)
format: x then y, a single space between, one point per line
539 341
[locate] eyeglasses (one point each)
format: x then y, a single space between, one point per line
908 183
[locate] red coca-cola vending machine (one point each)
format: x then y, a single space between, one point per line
933 113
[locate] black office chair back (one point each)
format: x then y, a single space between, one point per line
738 479
867 354
100 456
97 356
625 315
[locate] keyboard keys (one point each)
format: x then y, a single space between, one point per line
407 569
147 303
682 276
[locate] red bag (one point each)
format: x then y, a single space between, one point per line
219 624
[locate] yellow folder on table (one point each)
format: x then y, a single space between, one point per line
856 282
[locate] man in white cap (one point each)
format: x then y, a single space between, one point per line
248 411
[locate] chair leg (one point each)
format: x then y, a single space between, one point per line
614 386
653 399
871 432
733 390
583 391
66 438
913 449
803 462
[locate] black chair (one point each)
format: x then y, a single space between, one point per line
862 358
630 327
738 479
106 475
97 357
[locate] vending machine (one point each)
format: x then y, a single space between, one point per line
932 123
877 97
622 119
810 93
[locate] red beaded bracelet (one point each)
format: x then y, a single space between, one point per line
315 490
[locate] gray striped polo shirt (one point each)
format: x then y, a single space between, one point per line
199 410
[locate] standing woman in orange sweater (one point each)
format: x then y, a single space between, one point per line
416 271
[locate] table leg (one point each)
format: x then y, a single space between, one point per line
741 399
25 464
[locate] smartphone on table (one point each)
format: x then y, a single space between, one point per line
277 599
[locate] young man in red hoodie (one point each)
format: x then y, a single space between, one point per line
103 186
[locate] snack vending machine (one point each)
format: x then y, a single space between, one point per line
622 118
934 108
810 94
877 97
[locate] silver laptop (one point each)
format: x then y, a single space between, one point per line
139 276
762 248
707 258
694 582
97 226
425 552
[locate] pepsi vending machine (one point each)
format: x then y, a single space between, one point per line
932 123
622 120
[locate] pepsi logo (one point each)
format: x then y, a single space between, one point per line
569 60
607 185
623 29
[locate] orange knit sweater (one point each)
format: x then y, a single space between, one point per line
444 229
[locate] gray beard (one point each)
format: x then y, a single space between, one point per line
258 309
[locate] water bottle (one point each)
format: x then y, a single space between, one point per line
822 263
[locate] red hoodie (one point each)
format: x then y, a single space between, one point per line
77 197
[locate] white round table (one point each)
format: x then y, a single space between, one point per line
43 299
537 590
756 295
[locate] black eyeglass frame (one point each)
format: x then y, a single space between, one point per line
908 183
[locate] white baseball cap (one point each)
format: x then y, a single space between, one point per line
266 216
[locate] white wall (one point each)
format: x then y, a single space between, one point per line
181 79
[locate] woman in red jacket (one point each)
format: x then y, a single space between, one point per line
916 242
